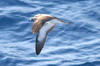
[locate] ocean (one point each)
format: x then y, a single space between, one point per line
75 44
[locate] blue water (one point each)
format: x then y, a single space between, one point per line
76 44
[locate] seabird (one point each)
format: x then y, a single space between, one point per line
43 24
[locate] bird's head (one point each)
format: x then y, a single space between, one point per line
39 16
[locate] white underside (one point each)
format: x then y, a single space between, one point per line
48 25
43 30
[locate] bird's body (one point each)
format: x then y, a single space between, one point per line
43 25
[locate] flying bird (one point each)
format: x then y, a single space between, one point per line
43 24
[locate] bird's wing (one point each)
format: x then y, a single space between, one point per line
39 23
41 37
36 26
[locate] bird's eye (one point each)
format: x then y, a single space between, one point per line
35 16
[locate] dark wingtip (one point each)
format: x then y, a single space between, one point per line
39 48
38 51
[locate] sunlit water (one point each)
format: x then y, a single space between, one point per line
76 44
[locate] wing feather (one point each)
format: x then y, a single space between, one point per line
41 37
36 26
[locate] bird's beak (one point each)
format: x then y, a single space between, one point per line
33 18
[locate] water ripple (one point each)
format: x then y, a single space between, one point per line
75 44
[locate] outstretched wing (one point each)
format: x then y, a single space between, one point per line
41 37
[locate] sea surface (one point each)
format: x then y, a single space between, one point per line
75 44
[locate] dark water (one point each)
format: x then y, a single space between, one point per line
77 44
